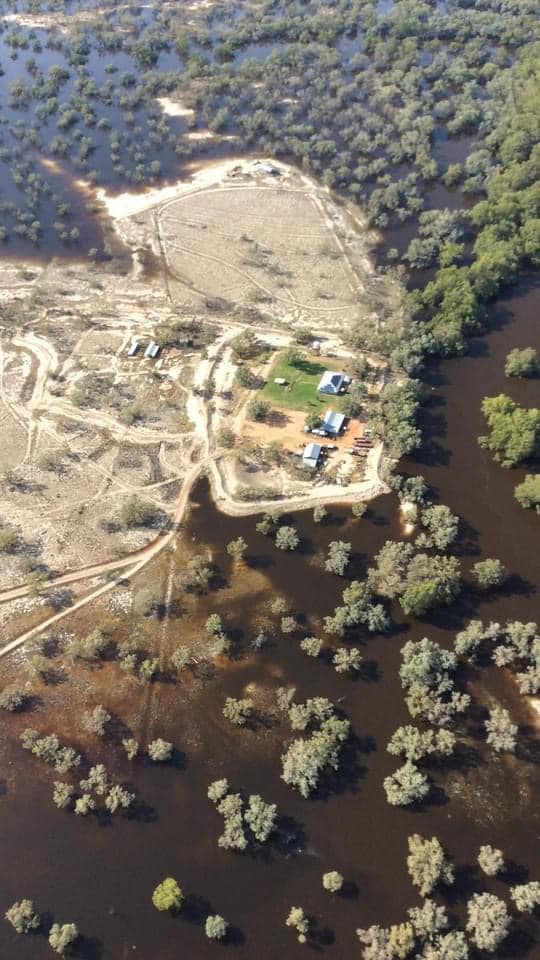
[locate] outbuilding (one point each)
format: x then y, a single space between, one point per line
312 455
152 350
133 347
332 422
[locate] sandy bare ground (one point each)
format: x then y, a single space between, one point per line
79 336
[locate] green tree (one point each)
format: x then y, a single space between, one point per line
347 659
168 896
23 916
526 896
298 920
489 573
311 646
488 921
338 558
401 940
160 750
138 513
257 409
287 538
332 881
215 927
13 699
95 721
237 548
62 936
527 493
406 786
312 421
490 860
260 817
514 432
427 864
442 526
501 731
522 363
238 711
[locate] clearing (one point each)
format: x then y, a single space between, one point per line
300 391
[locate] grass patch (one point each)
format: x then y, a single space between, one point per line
301 390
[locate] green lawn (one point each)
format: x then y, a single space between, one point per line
301 390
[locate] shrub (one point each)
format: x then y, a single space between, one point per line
138 513
12 699
8 539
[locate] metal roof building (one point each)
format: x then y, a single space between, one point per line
331 382
333 422
134 346
152 350
311 455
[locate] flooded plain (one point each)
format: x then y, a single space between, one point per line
101 872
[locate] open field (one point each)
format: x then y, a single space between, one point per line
300 392
273 249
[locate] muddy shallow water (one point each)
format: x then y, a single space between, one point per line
100 874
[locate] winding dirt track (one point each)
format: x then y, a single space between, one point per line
129 565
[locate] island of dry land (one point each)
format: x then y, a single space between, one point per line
197 347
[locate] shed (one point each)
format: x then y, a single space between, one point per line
133 347
332 382
333 422
281 382
264 167
311 455
152 350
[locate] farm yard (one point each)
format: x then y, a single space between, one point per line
302 379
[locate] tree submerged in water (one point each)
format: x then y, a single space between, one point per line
168 896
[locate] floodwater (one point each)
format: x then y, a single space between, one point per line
101 874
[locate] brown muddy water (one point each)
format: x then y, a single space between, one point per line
100 873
